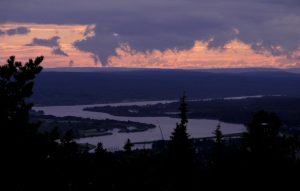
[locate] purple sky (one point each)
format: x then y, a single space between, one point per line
264 25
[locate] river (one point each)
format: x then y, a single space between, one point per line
164 125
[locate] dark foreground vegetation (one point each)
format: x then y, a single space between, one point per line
261 158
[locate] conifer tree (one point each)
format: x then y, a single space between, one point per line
21 147
218 149
219 139
266 152
181 152
16 85
180 147
99 148
128 146
262 133
68 145
100 151
67 138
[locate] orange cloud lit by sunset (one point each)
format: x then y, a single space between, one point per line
68 34
234 54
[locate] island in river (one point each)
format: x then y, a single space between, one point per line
164 126
86 127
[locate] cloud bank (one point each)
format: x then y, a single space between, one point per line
55 42
234 54
270 28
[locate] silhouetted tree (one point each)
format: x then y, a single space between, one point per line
68 146
262 133
181 147
53 145
21 147
67 137
217 160
181 152
99 149
54 134
128 146
218 146
16 84
219 137
268 152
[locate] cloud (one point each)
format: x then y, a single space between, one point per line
52 42
19 30
167 25
55 42
15 31
89 31
95 59
116 34
234 54
236 31
58 51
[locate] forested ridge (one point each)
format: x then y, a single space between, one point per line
74 88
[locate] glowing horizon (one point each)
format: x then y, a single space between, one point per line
64 37
58 44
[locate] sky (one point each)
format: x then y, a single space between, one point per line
190 34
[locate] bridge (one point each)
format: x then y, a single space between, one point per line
195 140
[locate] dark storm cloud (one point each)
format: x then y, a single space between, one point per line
19 30
102 45
15 31
52 43
95 59
58 51
158 24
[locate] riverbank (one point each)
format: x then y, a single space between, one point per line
164 126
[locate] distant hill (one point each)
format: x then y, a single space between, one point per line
87 87
220 70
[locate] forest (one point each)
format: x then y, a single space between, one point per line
262 157
228 110
69 88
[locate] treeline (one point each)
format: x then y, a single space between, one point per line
35 161
79 88
233 111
